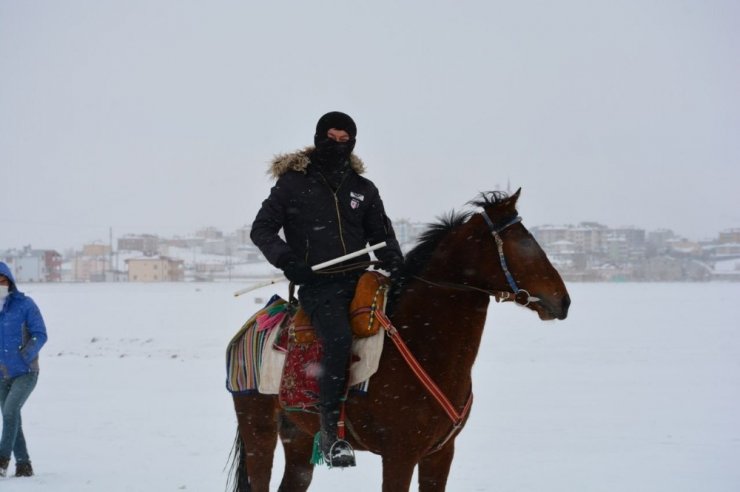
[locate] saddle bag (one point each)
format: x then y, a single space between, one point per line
302 331
370 297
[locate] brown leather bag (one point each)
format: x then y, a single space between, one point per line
370 295
301 330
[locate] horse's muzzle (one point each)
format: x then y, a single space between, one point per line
564 306
552 309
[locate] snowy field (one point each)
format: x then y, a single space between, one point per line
638 390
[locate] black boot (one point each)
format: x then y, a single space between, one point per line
23 469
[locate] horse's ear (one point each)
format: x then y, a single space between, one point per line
515 196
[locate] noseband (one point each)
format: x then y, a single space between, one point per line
499 295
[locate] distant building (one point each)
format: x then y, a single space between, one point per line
90 268
724 250
730 236
96 249
249 253
727 270
586 237
633 244
216 247
210 233
34 265
617 249
684 247
146 243
92 263
155 269
242 235
659 239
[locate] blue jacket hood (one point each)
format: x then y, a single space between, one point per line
5 272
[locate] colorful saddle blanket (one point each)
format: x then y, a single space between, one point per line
265 356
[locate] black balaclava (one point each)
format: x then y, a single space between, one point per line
330 154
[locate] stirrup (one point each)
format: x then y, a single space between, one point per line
341 455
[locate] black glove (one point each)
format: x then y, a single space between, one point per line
296 270
394 266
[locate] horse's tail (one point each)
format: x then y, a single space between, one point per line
238 480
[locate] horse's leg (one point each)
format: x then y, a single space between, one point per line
397 472
298 447
256 415
434 469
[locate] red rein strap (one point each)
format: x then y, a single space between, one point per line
456 417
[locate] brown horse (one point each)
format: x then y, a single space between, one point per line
440 313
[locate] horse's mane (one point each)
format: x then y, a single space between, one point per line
428 240
487 198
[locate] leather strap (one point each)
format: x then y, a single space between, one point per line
456 417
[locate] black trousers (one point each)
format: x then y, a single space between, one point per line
327 302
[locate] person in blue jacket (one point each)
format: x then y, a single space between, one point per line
22 334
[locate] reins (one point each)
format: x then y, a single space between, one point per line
498 294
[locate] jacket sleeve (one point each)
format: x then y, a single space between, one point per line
36 330
270 219
378 228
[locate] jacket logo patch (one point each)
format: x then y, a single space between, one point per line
354 203
357 196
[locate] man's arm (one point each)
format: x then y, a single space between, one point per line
378 228
266 226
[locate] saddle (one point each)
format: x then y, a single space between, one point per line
257 355
299 387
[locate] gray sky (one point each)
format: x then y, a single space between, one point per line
161 116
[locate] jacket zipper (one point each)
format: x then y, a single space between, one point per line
336 206
339 221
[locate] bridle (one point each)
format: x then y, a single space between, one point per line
496 233
499 295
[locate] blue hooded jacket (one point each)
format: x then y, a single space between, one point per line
22 331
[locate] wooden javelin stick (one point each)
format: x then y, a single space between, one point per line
314 268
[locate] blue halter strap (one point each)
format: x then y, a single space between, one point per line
495 232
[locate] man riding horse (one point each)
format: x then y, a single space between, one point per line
326 210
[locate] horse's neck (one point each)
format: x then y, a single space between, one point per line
443 328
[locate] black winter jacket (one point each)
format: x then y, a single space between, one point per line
320 224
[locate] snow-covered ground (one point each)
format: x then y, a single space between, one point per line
638 390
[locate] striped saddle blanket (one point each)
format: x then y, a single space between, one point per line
261 358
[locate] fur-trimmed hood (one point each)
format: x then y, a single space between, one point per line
299 160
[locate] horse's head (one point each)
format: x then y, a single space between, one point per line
489 252
514 263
